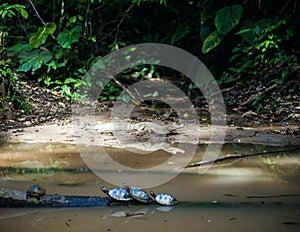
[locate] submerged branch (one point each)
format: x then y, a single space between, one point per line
235 156
274 196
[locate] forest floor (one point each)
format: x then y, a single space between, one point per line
257 110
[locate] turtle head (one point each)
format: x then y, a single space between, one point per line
126 186
152 194
105 190
175 201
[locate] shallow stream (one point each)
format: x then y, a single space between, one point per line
258 193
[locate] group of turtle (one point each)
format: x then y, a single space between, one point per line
140 195
125 194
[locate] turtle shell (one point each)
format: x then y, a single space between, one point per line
164 199
35 191
139 194
119 194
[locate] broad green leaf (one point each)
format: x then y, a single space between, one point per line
211 42
41 35
227 18
45 56
34 60
34 63
18 49
66 38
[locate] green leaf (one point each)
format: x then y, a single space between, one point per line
80 17
17 7
70 80
246 31
100 84
227 18
72 19
125 98
18 49
23 13
78 83
66 90
99 65
234 57
66 38
181 31
34 60
155 94
58 82
243 31
186 115
284 73
211 42
41 35
246 65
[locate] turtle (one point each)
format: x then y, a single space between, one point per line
164 199
35 191
138 194
118 194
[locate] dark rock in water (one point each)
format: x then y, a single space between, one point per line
17 198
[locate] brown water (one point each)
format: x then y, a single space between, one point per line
254 194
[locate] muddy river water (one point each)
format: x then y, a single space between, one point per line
258 193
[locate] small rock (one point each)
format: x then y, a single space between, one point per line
27 123
61 105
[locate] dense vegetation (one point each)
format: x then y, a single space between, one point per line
55 42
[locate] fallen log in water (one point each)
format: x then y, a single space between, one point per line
17 198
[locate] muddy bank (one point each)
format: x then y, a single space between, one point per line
100 134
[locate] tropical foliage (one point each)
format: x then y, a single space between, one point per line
56 42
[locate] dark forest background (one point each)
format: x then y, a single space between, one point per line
54 43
